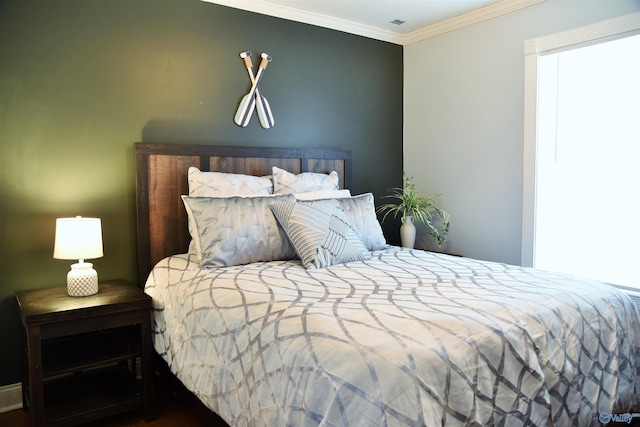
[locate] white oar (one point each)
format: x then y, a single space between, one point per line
247 104
264 109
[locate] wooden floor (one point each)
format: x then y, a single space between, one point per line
172 409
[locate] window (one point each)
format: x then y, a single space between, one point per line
582 152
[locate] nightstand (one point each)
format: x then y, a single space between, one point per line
82 353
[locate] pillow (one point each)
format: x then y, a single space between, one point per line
323 194
236 230
286 182
219 184
321 234
361 211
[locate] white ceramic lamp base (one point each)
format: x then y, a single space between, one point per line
82 280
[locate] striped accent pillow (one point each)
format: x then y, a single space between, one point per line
361 211
321 234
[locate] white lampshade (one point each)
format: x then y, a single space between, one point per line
79 238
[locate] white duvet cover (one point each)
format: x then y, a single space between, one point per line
406 338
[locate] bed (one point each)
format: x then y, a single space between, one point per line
391 337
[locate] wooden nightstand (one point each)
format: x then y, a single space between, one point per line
81 353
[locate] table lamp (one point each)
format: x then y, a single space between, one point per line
79 238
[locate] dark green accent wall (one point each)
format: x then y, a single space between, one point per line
81 81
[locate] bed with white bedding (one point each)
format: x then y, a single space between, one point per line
268 324
405 338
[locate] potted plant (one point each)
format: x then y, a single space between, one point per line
414 206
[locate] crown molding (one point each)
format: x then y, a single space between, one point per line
293 14
485 13
285 12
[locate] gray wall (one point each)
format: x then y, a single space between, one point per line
464 106
81 81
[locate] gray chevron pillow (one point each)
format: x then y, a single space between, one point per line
321 234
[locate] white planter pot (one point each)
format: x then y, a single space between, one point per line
408 232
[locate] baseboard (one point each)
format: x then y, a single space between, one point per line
10 397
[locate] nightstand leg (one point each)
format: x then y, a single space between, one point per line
24 368
36 393
147 369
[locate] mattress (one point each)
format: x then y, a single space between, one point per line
408 337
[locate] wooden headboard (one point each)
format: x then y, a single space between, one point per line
161 178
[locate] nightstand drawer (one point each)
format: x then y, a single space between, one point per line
90 324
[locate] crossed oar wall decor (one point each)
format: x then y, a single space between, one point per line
254 98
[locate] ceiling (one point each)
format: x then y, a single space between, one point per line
375 18
416 14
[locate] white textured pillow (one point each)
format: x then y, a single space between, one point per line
361 211
236 230
219 184
323 194
286 182
321 234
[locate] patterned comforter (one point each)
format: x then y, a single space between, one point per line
406 338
